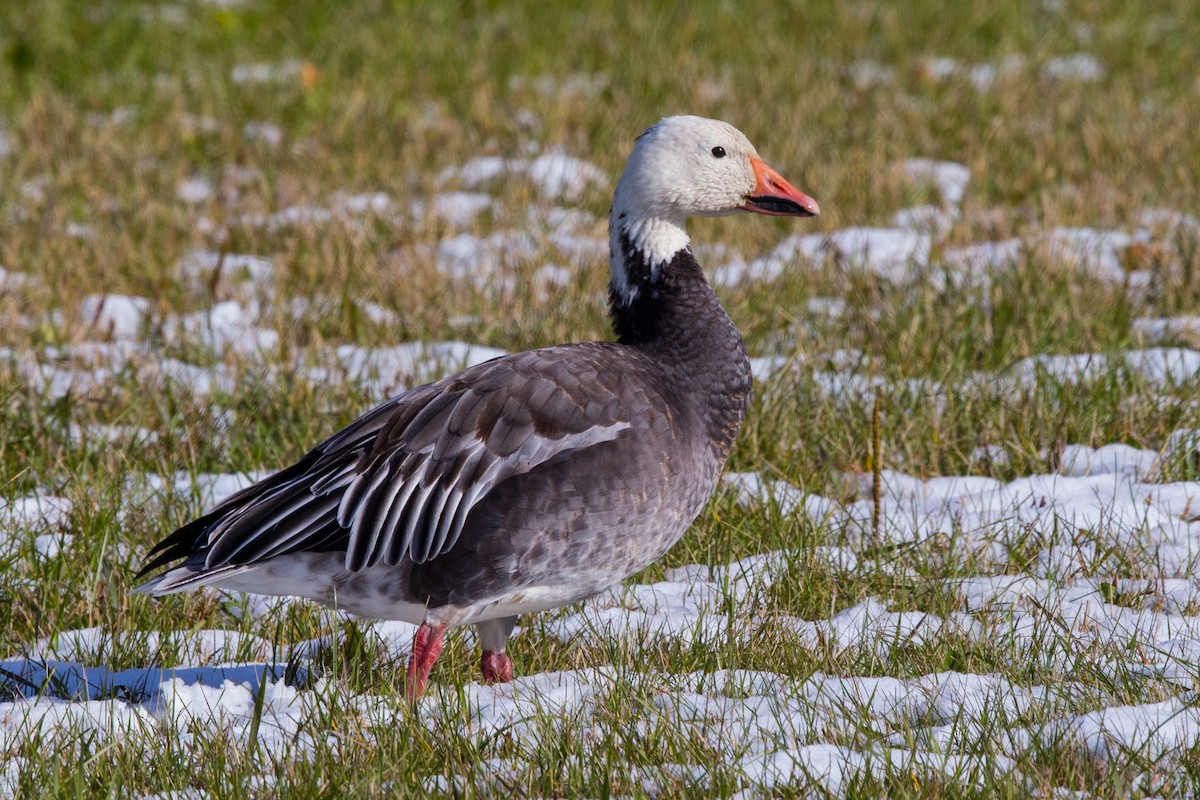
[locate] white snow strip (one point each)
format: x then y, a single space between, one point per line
484 260
888 252
201 270
389 370
1083 67
117 316
280 72
194 191
228 326
1161 328
455 208
555 175
948 177
268 133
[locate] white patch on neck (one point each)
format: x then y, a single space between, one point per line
657 239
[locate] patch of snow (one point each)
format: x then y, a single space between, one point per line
940 67
763 368
281 72
194 191
11 280
94 644
79 230
948 177
832 307
116 118
268 133
111 434
987 75
751 489
478 171
867 74
35 512
550 279
199 123
1164 366
202 270
200 380
556 176
227 326
483 260
49 545
1097 252
933 220
736 272
1168 221
686 607
208 488
888 252
118 316
574 84
45 720
1083 67
390 369
1111 459
561 177
364 204
561 220
1159 366
1153 730
455 208
1160 328
378 314
870 624
985 256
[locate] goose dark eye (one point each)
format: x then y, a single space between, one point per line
718 152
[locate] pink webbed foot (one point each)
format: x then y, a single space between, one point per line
426 647
497 667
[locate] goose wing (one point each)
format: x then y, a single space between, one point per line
402 479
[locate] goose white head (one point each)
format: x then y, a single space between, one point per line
690 167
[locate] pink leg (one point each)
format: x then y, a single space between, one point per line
426 647
497 667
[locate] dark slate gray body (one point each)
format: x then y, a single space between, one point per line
593 458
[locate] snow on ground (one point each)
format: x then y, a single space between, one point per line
1137 257
456 208
1156 366
950 179
388 370
1160 328
227 326
484 260
769 729
1083 67
282 72
194 191
1160 366
1099 514
205 270
982 76
555 175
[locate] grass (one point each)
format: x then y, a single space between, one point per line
108 107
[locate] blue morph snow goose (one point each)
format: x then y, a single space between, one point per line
536 479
